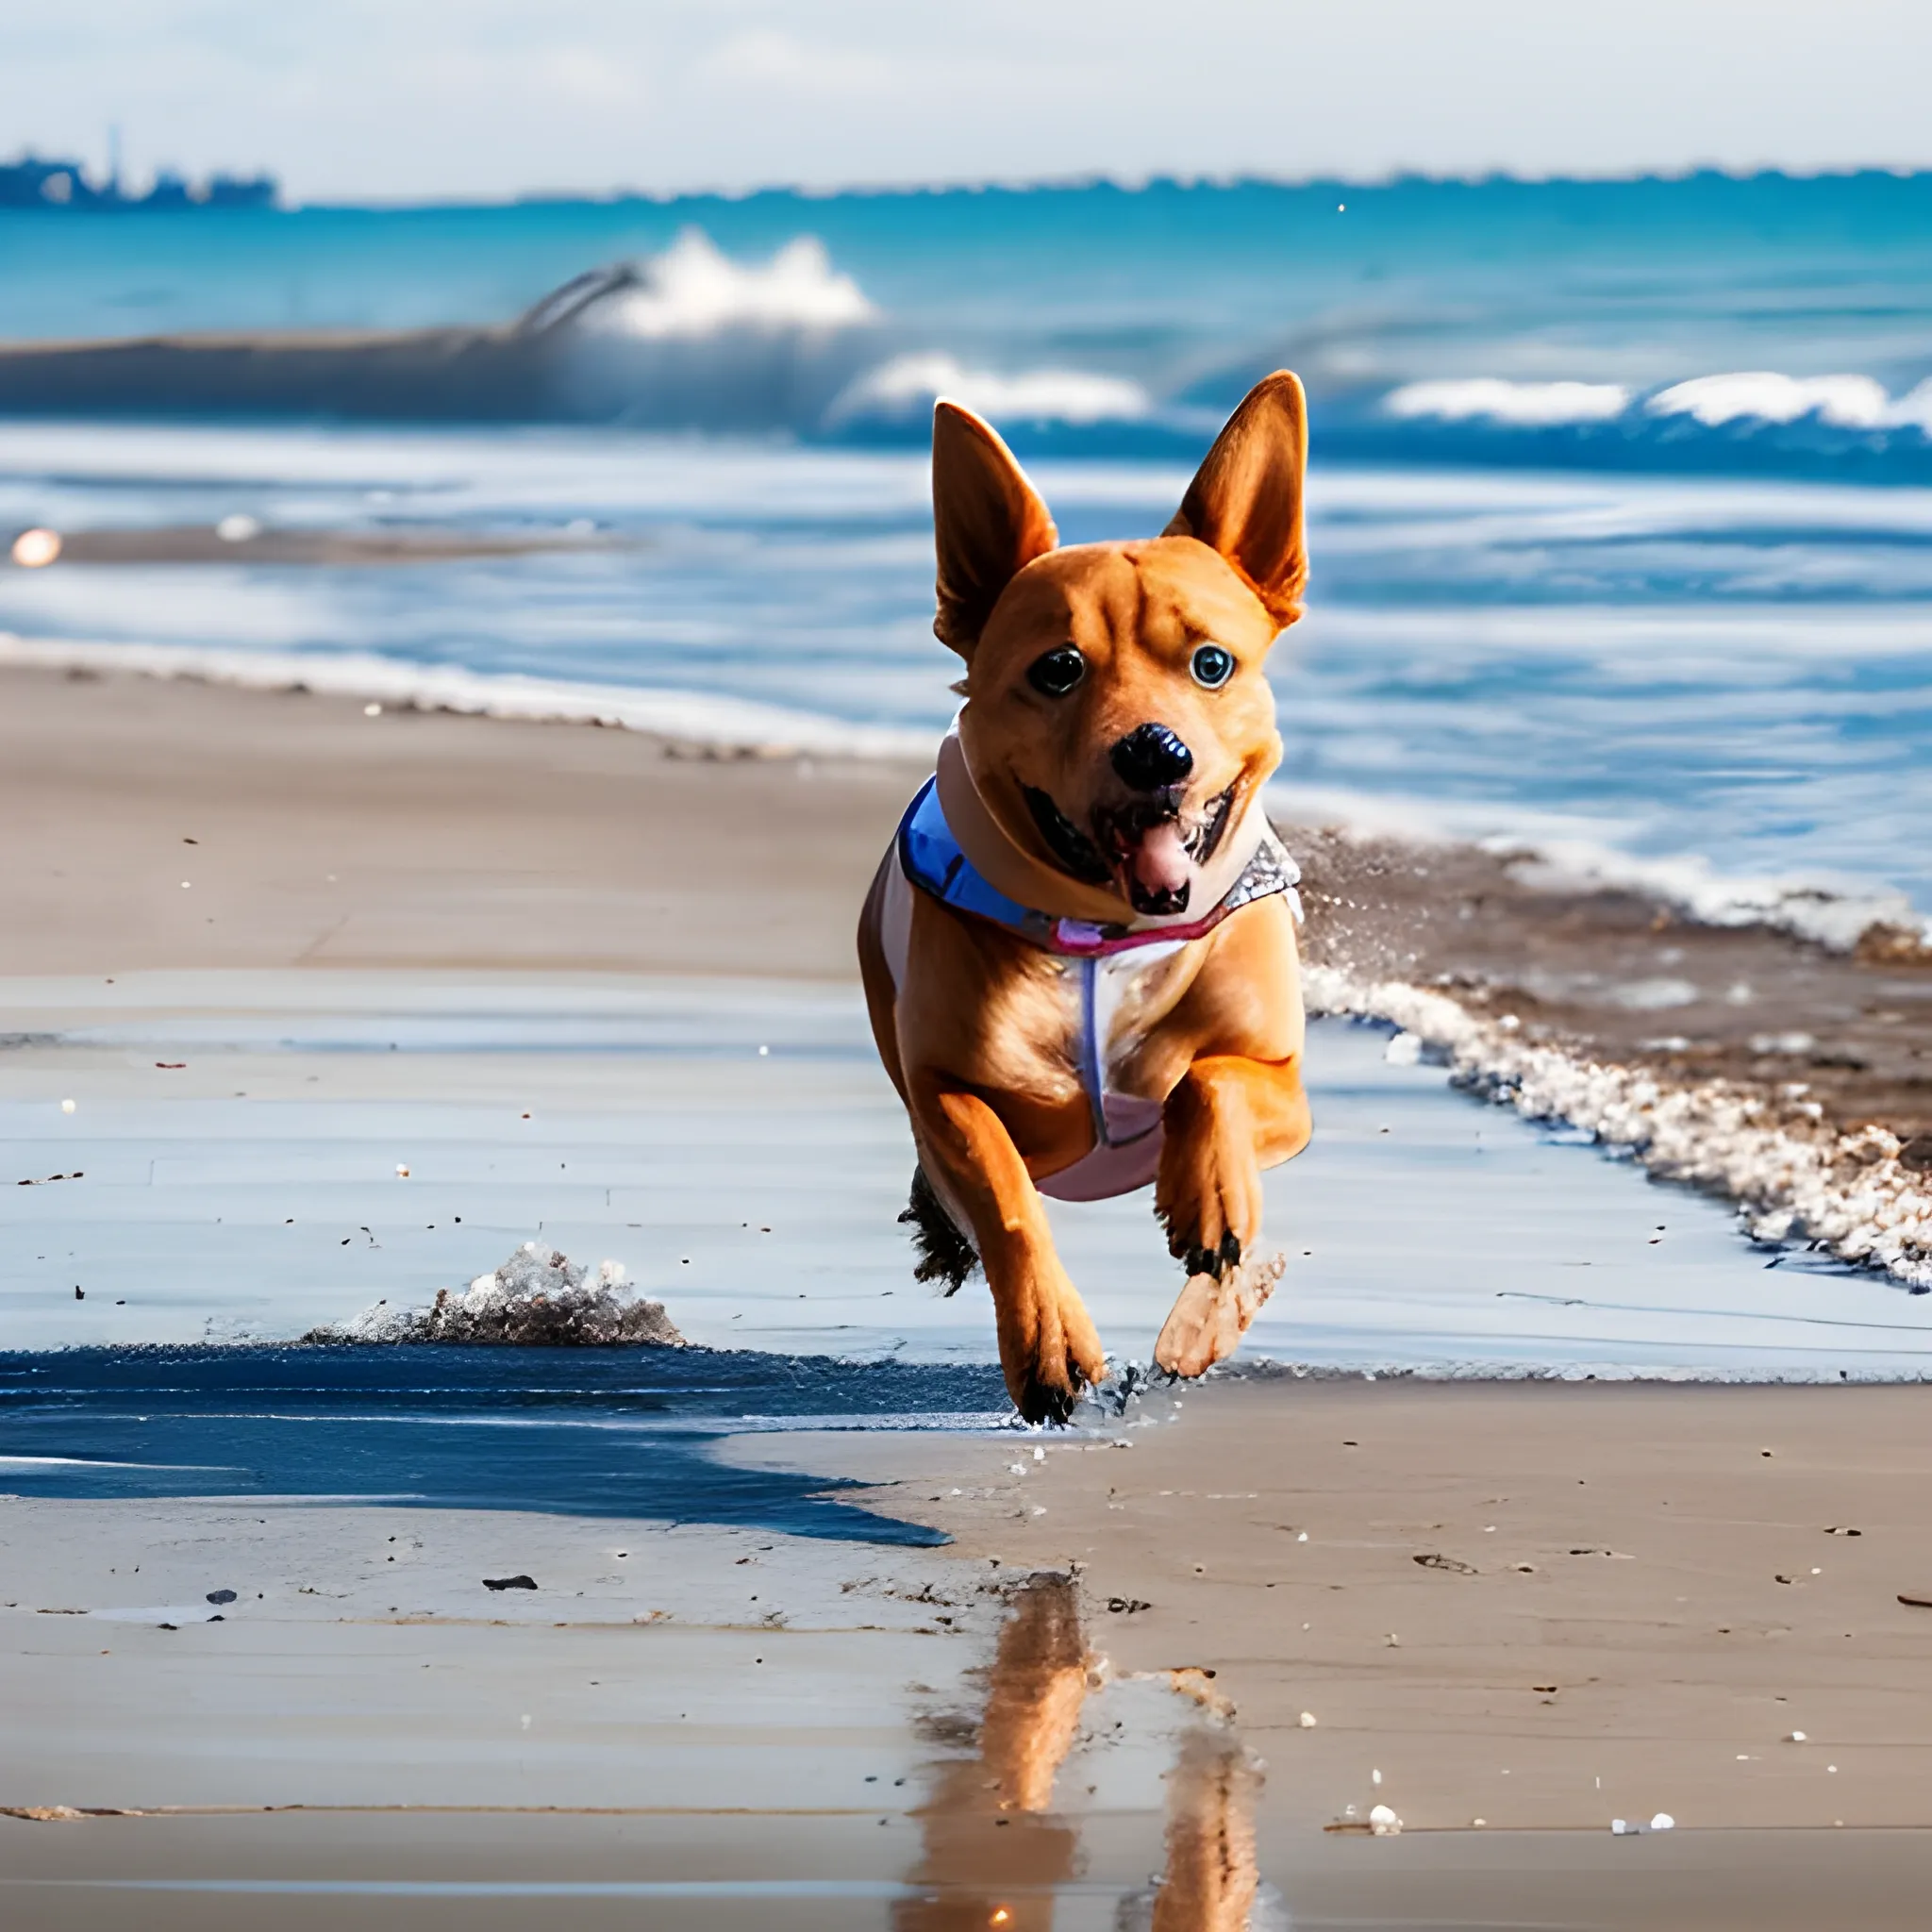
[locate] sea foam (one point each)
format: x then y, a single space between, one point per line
1559 853
1734 400
693 288
1538 405
727 726
911 384
1764 395
538 1298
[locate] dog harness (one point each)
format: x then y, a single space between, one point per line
1114 963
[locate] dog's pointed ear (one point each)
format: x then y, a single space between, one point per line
1245 500
988 522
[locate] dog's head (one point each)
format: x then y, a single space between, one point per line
1118 721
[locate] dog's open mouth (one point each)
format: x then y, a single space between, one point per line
1147 848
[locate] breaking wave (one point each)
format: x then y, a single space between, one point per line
1538 405
694 339
1751 421
691 339
1840 402
908 385
693 288
688 339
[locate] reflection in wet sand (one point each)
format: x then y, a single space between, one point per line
992 1855
995 1853
1208 1885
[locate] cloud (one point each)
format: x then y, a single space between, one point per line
767 58
583 73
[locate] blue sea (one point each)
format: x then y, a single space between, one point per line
1620 500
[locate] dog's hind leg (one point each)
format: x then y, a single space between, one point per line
945 1252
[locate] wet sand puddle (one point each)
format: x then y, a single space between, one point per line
999 1853
1042 1808
219 1158
1053 1794
1053 1818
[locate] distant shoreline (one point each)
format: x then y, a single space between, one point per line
1149 187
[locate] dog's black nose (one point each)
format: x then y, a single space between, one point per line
1150 758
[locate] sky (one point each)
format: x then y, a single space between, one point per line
398 100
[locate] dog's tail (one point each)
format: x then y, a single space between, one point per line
946 1253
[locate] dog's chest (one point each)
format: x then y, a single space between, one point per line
1107 1012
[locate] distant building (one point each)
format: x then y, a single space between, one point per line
242 190
32 182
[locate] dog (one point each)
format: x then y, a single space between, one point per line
1079 953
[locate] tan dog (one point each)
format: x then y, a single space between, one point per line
1080 958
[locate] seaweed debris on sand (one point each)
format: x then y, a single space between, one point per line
537 1299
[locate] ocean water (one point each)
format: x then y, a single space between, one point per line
583 1432
1620 501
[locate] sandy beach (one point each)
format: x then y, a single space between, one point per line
1543 1604
310 834
1537 1606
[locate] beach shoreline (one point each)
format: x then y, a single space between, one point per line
165 824
493 855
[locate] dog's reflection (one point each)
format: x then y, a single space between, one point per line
993 1853
1210 1879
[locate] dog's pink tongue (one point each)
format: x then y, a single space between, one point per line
1160 862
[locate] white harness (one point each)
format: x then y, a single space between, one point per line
1114 963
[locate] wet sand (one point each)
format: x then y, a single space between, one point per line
1538 1606
230 1171
312 835
677 1726
1047 1789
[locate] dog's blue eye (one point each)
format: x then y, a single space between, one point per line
1055 674
1213 666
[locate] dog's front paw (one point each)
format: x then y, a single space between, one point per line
1209 1193
1049 1350
1207 1323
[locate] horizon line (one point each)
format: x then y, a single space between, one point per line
1210 181
1135 183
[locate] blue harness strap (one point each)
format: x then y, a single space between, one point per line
932 859
934 863
1092 1072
